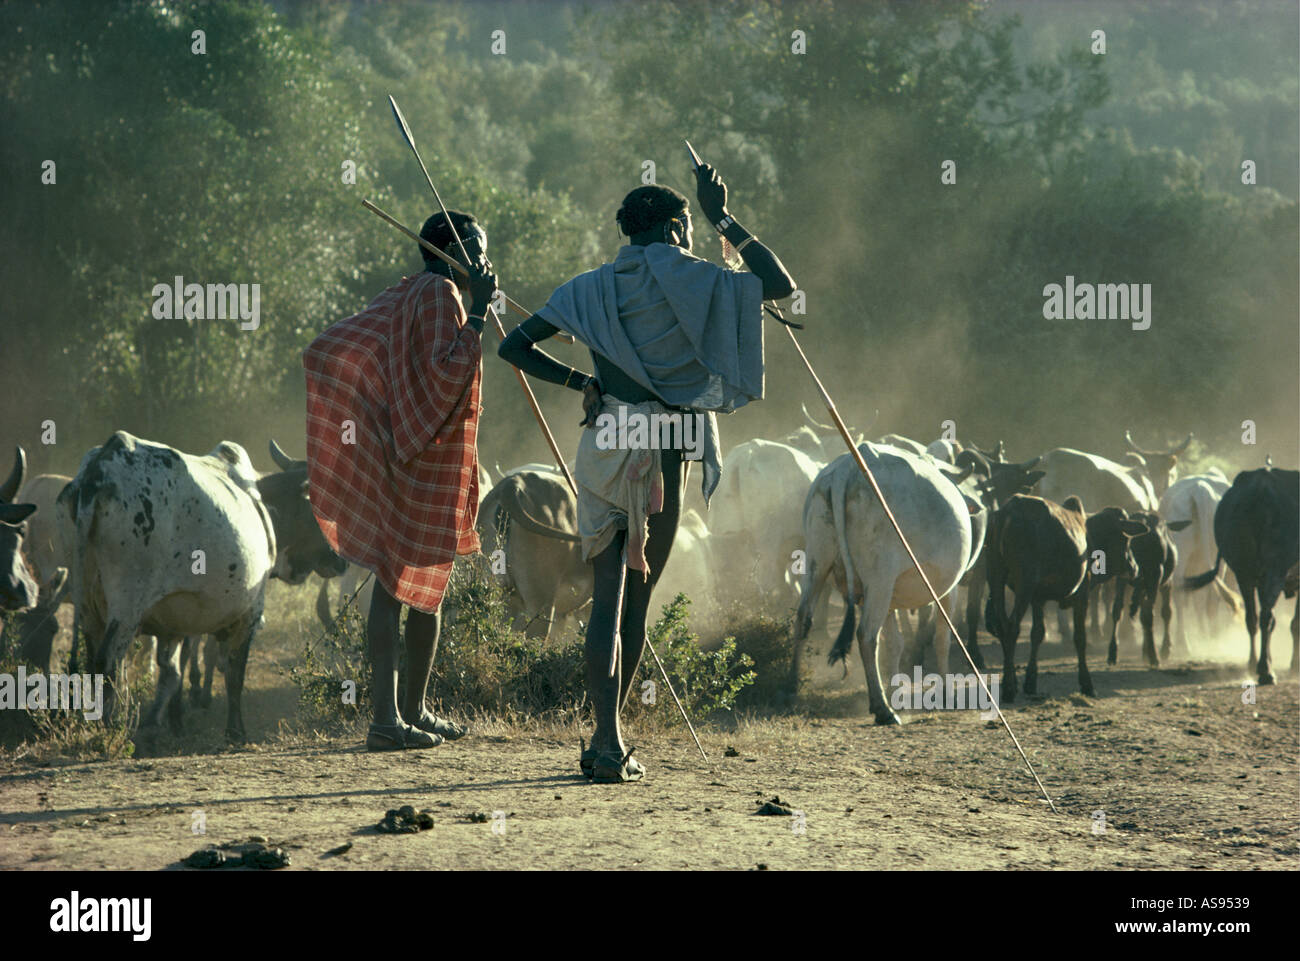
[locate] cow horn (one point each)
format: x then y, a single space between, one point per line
809 417
282 460
9 489
1135 459
973 456
1183 446
1128 439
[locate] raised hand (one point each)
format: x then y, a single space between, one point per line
711 193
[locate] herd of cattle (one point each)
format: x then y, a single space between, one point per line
159 548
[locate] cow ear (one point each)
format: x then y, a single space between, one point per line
1034 476
1133 528
305 489
1073 503
1178 525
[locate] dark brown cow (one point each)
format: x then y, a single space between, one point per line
1156 558
1044 552
1257 530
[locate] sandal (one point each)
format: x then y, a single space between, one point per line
609 768
447 730
398 737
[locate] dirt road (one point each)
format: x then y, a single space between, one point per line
1183 773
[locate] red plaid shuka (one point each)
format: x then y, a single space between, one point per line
402 500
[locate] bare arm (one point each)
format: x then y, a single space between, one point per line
762 263
520 349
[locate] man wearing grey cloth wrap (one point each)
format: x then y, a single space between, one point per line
669 334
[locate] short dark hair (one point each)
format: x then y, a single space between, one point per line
436 232
650 206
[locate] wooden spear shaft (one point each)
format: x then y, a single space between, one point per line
501 332
871 479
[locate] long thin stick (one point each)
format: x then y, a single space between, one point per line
866 472
501 332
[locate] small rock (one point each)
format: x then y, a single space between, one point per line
476 817
343 848
762 867
259 838
730 752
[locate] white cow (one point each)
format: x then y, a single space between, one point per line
903 443
1195 498
1096 481
143 512
849 537
49 547
822 443
756 514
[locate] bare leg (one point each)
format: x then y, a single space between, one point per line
662 529
602 632
422 632
381 633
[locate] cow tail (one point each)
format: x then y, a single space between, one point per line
844 640
840 518
1202 580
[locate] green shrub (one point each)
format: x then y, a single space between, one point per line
483 667
705 681
338 656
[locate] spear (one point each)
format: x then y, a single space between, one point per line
775 311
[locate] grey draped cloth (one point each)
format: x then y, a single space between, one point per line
683 328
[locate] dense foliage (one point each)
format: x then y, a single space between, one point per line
924 299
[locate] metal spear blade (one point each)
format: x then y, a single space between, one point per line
696 162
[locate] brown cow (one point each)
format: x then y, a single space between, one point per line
1042 551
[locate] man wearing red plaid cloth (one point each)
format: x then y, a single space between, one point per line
392 429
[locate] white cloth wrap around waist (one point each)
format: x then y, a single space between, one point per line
620 486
